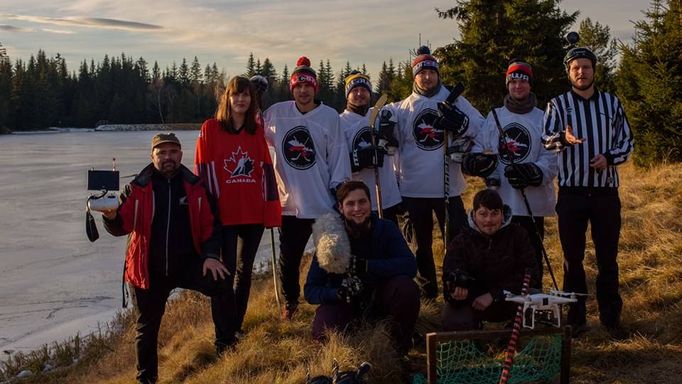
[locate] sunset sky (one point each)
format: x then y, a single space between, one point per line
225 32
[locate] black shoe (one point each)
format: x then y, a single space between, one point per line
617 333
579 330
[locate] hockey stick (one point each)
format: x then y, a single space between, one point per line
454 94
373 134
511 347
510 157
274 268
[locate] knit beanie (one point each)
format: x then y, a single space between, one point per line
519 70
303 73
424 60
357 79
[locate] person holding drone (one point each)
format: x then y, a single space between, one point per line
590 130
173 241
487 258
513 159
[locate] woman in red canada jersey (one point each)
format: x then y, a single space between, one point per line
233 159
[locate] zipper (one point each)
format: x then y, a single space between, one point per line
135 215
168 223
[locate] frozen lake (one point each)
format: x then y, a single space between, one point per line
53 281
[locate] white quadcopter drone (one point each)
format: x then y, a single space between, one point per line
544 306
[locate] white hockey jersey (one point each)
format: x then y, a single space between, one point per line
311 157
357 132
524 141
420 152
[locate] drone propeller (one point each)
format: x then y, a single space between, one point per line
567 294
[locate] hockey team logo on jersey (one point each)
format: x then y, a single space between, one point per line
516 143
299 149
425 135
240 166
362 139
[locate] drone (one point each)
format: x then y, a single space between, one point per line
546 307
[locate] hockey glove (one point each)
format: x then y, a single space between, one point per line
459 148
386 132
364 158
479 164
350 288
523 175
450 118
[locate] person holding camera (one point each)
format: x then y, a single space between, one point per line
234 161
374 277
173 241
485 259
425 125
364 149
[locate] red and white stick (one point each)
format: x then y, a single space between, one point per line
511 347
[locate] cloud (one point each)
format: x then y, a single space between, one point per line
58 31
12 28
88 22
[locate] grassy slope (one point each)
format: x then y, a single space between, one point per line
277 352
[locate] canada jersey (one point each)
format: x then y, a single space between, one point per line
421 152
310 157
237 170
523 142
357 132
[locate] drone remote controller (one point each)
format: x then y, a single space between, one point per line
103 203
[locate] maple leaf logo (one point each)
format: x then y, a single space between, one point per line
239 164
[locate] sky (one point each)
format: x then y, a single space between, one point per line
225 32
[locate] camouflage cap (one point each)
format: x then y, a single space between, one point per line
161 138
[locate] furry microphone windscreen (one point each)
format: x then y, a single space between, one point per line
332 246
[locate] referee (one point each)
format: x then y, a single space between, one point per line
590 130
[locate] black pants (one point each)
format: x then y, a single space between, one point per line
391 213
395 299
421 214
536 234
151 304
293 236
601 208
240 245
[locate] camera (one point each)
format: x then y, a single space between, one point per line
108 183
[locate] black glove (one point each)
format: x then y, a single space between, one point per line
479 164
364 158
459 148
350 288
523 175
386 130
455 279
451 119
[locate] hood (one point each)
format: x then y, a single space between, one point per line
506 220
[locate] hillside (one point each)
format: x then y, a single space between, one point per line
278 352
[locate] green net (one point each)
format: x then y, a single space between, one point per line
463 361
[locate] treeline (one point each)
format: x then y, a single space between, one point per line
41 92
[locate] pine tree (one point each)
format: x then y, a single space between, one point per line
492 33
598 38
250 66
650 83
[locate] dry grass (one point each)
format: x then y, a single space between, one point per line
277 352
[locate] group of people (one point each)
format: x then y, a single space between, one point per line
299 163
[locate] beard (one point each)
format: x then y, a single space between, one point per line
358 230
582 87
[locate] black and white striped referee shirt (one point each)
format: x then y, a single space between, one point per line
602 122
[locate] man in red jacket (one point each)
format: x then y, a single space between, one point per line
173 241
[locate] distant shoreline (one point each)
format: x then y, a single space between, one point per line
116 128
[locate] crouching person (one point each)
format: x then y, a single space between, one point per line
487 258
362 269
173 241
